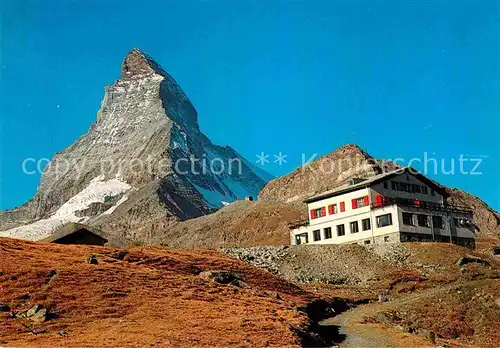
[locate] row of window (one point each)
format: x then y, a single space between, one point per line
423 220
333 209
406 187
303 239
382 220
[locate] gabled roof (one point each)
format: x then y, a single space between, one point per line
73 227
373 180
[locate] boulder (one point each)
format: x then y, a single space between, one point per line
92 260
40 316
223 277
32 311
382 298
471 259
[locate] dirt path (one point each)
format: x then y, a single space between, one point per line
359 334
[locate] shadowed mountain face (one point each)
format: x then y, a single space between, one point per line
143 160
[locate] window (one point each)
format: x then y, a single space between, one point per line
332 209
384 220
410 188
386 239
386 184
433 193
317 213
360 202
423 221
316 235
340 230
408 219
354 203
342 206
327 232
437 221
354 227
301 239
323 211
394 185
367 242
366 225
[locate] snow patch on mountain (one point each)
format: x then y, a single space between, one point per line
96 191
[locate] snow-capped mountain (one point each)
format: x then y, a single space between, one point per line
143 163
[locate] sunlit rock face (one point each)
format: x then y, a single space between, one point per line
146 141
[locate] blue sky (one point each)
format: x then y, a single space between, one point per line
397 78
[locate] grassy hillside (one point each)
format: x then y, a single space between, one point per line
144 296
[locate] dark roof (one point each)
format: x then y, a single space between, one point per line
345 188
74 227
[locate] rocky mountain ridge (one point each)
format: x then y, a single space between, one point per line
146 147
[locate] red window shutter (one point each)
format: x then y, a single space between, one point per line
342 206
330 209
354 203
378 200
367 201
313 214
323 211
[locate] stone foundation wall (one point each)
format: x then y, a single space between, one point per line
388 238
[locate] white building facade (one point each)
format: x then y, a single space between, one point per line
393 207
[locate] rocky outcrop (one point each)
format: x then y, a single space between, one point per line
145 147
323 174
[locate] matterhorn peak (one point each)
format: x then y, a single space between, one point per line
137 63
143 161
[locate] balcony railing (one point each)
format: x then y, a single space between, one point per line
422 205
298 223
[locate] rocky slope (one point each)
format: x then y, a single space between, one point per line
146 149
323 174
241 223
349 161
348 264
446 293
